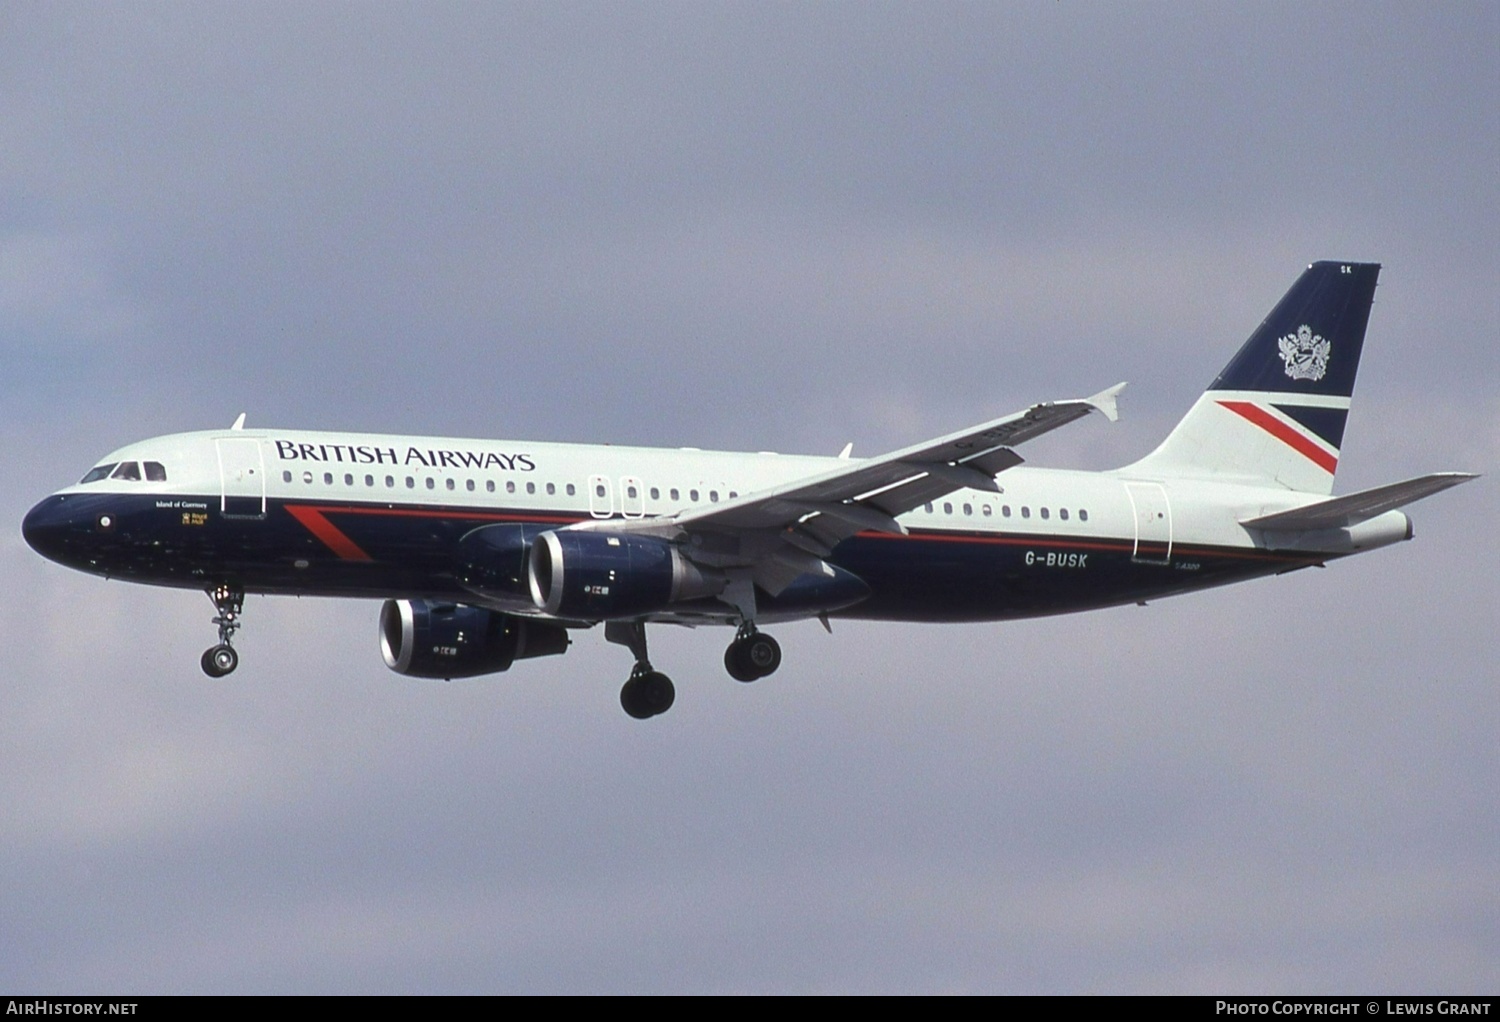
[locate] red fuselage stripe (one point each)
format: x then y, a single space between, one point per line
328 533
1286 434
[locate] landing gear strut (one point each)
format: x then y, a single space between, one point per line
752 654
648 692
221 659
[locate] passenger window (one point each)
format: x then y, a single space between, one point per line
1046 513
470 485
451 484
531 487
1083 515
411 484
327 478
510 486
572 490
968 509
1025 512
928 506
286 477
369 480
96 474
155 473
599 490
988 511
713 495
431 483
390 481
489 485
693 496
674 494
551 489
732 495
1005 510
947 508
128 471
1062 513
348 478
307 477
630 491
655 493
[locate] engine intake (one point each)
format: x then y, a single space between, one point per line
426 639
596 576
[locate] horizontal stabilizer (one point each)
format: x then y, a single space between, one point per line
1350 510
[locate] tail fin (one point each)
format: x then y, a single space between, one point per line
1275 416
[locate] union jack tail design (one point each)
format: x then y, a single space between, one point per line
1275 416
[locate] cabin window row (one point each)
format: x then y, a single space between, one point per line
511 486
987 511
410 482
675 494
154 471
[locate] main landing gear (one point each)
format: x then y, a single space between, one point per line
647 692
221 659
752 655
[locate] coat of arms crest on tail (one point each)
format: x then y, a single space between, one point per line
1305 354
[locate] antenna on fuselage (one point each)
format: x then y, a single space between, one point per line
240 422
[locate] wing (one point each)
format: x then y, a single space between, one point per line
784 532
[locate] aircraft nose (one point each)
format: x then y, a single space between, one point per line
47 526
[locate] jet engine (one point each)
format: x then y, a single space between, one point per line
595 576
428 639
491 561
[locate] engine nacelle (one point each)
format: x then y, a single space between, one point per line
425 639
596 576
491 561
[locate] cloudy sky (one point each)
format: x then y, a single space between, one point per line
752 226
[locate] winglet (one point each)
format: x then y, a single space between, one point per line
1106 403
240 422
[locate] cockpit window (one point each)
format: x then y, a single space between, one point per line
155 472
96 474
128 471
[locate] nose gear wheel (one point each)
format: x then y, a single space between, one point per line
220 660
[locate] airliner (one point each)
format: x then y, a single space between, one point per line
487 552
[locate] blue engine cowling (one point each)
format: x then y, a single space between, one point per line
426 639
491 561
598 576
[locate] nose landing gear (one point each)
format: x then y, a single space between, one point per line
222 659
